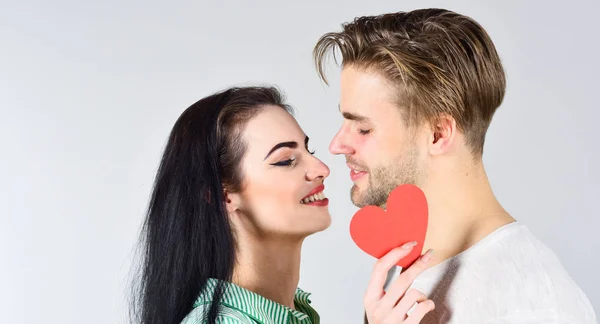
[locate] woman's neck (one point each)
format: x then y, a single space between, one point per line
269 268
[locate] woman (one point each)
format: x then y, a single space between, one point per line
236 193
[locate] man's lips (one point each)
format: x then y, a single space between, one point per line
356 173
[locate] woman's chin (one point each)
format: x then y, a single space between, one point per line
322 224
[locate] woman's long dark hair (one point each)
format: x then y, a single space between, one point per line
186 237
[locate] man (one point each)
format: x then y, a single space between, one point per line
418 92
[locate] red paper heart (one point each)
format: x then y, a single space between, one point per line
377 231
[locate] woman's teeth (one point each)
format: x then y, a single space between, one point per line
317 196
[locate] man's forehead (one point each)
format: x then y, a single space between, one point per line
365 88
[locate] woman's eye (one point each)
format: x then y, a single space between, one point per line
285 163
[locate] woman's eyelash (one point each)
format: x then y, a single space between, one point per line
364 132
284 163
290 162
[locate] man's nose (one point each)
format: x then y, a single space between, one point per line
339 144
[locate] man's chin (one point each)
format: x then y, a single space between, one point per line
362 197
357 196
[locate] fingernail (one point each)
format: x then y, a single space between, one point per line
409 245
427 256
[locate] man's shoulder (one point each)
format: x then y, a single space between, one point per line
509 251
514 256
508 272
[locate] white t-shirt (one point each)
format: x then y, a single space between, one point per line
508 277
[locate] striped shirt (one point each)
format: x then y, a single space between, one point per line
242 306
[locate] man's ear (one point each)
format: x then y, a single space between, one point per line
443 135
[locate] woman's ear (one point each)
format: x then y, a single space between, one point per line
232 201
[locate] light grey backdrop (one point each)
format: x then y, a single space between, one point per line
90 89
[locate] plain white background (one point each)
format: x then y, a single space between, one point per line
90 89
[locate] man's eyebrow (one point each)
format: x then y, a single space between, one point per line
355 117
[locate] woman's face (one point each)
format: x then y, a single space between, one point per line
282 191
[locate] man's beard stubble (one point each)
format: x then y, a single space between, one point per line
404 169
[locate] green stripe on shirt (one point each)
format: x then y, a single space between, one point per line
242 306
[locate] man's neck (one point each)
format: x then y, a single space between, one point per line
269 268
462 209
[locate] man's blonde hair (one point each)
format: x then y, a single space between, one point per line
440 62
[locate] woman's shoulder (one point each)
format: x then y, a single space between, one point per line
241 306
227 315
229 312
